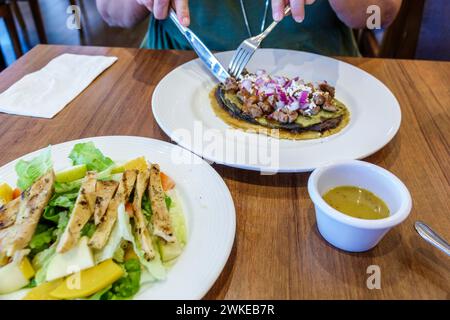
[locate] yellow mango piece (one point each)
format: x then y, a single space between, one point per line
138 164
88 281
26 268
42 291
6 193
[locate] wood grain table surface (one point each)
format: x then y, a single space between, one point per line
278 252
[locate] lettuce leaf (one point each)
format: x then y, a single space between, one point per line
42 238
168 201
62 223
66 200
127 286
177 217
40 263
29 171
57 204
99 294
154 266
68 187
88 229
88 154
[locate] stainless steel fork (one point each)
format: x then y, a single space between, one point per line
248 47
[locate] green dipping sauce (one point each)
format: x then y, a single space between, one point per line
357 202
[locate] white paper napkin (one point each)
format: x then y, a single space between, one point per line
46 92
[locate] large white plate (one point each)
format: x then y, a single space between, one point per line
182 109
207 204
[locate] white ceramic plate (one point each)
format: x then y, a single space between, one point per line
207 203
182 109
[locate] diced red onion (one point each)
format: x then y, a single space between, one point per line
303 97
268 91
283 97
247 85
280 104
280 80
287 84
294 106
259 82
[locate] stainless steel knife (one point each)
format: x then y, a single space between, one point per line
203 52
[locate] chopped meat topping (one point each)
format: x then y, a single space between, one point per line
279 98
324 86
284 116
231 85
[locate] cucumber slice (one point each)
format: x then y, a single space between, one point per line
170 251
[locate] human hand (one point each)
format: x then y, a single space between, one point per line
297 9
160 9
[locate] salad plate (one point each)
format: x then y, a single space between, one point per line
199 208
182 106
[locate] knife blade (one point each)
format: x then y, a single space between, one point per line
202 51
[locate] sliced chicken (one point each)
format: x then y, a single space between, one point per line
4 235
104 193
8 213
32 204
162 226
140 221
81 213
104 228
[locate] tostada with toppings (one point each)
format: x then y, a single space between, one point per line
298 109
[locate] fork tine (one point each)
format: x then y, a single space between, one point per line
244 62
232 64
235 62
240 62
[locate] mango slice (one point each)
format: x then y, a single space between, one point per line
26 268
88 281
6 193
42 291
138 164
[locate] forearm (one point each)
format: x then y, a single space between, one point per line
354 12
122 13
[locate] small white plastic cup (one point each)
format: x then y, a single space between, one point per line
346 232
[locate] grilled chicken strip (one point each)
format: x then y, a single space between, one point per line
32 204
8 213
104 191
4 235
161 220
140 221
101 234
81 213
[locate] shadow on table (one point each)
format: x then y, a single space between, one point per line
388 155
335 261
432 264
256 178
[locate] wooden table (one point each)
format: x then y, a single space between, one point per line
278 252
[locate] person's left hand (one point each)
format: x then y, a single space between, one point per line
297 8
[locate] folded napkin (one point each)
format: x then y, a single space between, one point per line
46 92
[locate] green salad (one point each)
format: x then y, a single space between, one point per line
97 230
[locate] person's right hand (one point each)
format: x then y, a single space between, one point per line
160 9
